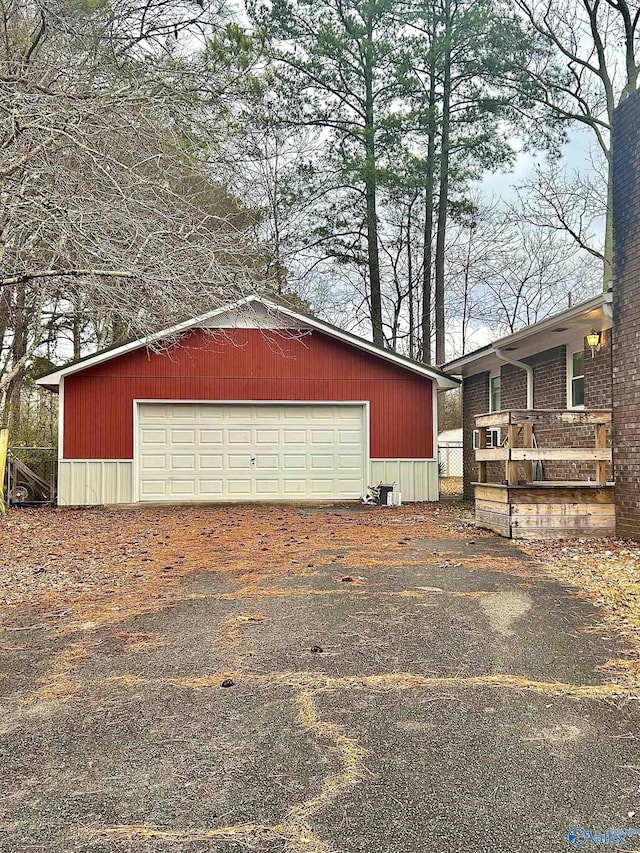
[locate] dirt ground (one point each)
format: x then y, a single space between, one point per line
311 680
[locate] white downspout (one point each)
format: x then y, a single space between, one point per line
527 369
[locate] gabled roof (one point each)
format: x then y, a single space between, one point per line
553 331
443 380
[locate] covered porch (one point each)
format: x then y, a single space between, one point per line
514 450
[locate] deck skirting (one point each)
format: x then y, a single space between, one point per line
546 510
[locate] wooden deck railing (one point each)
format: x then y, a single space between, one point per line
518 447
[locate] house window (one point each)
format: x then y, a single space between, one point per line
493 438
576 379
494 394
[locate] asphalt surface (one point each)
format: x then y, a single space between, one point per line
453 700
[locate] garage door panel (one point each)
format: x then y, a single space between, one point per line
321 487
322 462
239 436
240 488
252 451
211 488
268 488
153 463
153 491
289 461
180 462
293 487
239 414
211 436
267 436
264 462
159 414
267 414
182 436
238 462
154 436
348 436
322 436
349 463
211 461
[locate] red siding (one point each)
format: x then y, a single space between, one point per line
245 365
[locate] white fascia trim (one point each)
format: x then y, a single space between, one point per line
443 382
61 419
601 300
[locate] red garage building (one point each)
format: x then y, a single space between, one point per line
251 402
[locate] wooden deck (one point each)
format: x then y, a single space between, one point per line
521 508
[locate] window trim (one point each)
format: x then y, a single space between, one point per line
495 374
571 349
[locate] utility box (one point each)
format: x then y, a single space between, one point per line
384 490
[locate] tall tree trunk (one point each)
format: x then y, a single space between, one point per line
412 331
118 331
371 186
429 195
13 412
77 330
443 196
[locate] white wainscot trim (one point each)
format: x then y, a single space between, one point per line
91 482
417 479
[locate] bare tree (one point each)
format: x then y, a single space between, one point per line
591 62
574 204
510 273
106 201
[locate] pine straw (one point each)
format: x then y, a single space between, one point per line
295 829
85 569
605 572
140 641
59 681
306 680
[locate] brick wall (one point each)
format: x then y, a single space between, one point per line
475 401
626 314
513 387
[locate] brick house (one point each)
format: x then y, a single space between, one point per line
547 365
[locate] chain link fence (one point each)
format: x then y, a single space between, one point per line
450 469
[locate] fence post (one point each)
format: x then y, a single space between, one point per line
4 445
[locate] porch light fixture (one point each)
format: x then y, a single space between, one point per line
593 340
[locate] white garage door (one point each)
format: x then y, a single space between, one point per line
211 451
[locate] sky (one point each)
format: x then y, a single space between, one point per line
575 156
